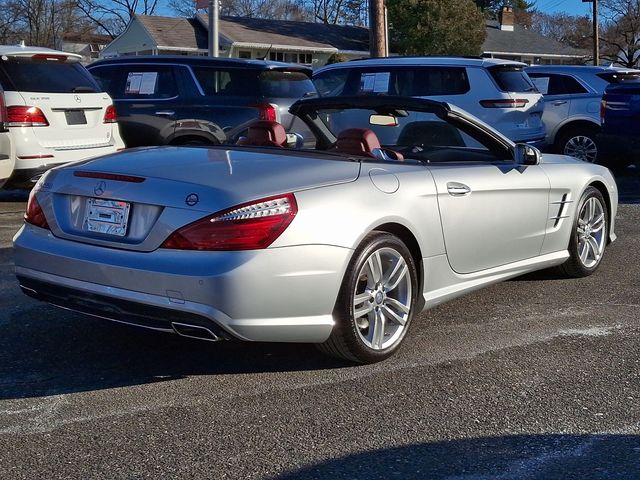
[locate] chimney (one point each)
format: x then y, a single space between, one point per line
506 18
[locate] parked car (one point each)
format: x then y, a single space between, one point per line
499 92
178 100
340 245
572 95
620 134
53 113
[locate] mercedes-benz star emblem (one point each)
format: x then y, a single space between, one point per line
77 98
191 199
100 188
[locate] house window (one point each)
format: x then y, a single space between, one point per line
244 54
276 56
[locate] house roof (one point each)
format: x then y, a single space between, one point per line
524 40
175 31
295 34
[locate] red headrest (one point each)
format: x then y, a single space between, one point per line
265 133
357 141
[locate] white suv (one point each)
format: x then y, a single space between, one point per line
499 92
53 111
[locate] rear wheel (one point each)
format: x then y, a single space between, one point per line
589 235
580 142
376 301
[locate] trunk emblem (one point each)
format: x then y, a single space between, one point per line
100 188
77 99
191 199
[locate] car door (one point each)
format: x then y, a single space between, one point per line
145 96
493 210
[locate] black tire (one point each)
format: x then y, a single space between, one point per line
580 140
347 340
575 266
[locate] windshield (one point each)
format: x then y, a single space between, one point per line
384 129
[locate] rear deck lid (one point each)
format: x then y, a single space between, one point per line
147 194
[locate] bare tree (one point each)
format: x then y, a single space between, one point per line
112 16
575 31
621 31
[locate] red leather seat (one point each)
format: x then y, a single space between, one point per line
358 141
265 133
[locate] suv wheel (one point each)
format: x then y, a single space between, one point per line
580 142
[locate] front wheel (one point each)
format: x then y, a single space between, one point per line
588 236
376 301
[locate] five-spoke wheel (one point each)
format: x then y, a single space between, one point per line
589 235
376 301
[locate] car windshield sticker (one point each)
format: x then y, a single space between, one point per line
542 84
141 83
375 82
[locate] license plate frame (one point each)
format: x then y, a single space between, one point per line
75 117
107 217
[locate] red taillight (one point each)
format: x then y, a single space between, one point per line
110 115
505 103
34 214
21 116
250 226
108 176
266 111
603 109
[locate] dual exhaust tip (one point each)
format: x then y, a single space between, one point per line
195 331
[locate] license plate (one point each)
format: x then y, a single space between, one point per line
75 117
108 217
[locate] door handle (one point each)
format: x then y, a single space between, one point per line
457 189
166 113
559 102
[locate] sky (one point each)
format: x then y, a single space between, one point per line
572 7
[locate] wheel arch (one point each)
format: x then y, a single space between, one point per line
408 238
571 125
602 188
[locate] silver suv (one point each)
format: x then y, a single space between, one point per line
499 92
572 95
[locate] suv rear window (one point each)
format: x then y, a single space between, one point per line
285 84
27 75
406 80
512 78
620 77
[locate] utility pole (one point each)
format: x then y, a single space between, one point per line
596 39
213 28
377 29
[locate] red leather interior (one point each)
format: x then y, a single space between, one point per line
357 141
265 133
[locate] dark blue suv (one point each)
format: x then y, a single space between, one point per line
178 100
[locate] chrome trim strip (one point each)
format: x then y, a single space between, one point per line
214 337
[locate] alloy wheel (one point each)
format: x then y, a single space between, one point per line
582 147
591 232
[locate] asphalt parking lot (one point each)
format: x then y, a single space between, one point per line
535 378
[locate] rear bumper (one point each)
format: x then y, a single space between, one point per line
278 295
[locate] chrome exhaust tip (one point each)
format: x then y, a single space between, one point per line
195 331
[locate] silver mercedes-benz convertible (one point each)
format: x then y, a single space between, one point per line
338 235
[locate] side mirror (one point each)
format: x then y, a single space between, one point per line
525 154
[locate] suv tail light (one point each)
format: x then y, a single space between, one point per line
266 111
21 116
34 214
110 115
249 226
505 103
